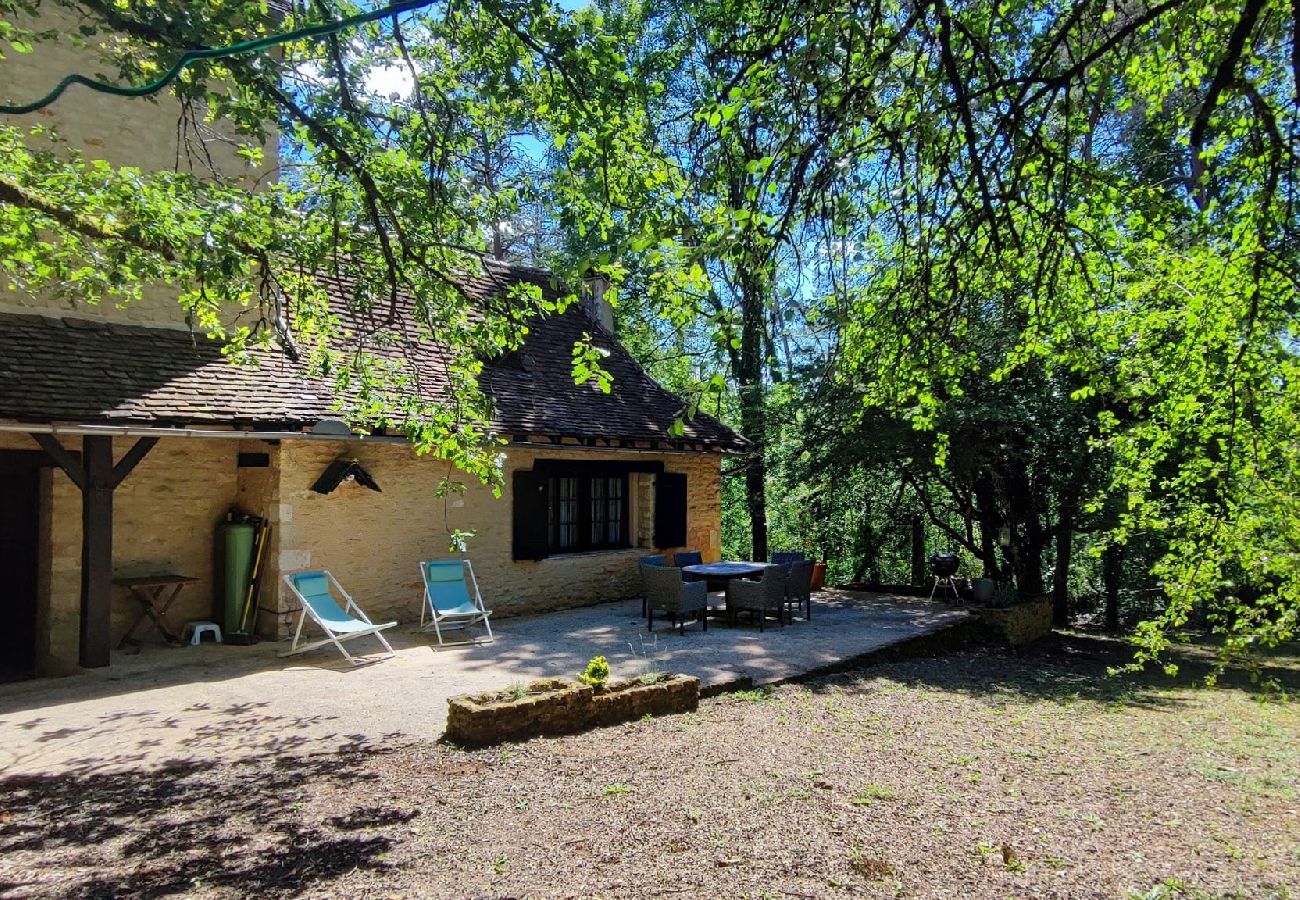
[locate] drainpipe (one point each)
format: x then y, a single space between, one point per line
156 432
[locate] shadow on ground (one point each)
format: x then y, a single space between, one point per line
189 826
1069 666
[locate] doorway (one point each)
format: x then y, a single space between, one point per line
19 571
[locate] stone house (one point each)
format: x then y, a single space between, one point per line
592 480
125 439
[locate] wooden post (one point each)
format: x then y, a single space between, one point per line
96 551
97 477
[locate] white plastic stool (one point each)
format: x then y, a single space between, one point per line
196 630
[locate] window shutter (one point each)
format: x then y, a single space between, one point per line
670 510
530 515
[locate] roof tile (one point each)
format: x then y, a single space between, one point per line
88 371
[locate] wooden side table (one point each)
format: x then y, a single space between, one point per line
155 594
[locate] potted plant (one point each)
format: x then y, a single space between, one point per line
819 575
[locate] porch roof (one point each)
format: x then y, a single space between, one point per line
92 372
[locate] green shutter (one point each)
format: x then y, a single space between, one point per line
530 515
670 510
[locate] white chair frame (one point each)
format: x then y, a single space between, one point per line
457 621
333 637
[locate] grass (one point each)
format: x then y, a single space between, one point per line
871 793
978 774
755 695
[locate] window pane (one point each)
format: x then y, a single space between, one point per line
615 530
598 494
567 518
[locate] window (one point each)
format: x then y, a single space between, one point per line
574 505
586 512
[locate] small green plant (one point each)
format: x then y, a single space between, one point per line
1010 860
613 790
647 662
871 793
597 673
756 695
1168 889
516 691
499 865
868 867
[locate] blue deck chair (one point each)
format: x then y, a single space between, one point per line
447 597
312 588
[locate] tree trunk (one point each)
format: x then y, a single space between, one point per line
1112 569
753 413
988 518
918 552
1061 573
868 544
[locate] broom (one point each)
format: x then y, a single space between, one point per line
242 637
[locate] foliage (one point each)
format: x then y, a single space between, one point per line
596 674
1085 209
1044 251
395 194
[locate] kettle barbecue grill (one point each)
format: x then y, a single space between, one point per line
944 567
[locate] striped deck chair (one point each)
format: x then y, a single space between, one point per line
345 623
448 599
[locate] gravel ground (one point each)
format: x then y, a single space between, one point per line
976 775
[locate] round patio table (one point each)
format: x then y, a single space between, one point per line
725 571
719 573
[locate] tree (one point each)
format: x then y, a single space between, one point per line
394 194
1019 154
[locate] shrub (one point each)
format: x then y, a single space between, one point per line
596 673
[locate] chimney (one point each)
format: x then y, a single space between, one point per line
594 301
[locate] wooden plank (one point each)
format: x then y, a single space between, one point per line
132 457
96 551
63 459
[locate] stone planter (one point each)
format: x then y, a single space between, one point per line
551 707
559 706
1019 624
630 700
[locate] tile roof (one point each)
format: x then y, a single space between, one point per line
82 371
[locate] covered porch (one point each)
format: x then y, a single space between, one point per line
168 705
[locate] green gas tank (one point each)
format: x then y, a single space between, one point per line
237 546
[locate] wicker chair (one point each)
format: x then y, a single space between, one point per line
765 596
787 558
684 558
666 591
798 591
648 561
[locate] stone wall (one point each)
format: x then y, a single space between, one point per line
1018 624
164 519
167 511
372 542
140 132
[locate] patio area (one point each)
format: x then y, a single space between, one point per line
168 705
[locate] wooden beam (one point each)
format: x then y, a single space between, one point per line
96 551
62 458
132 457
